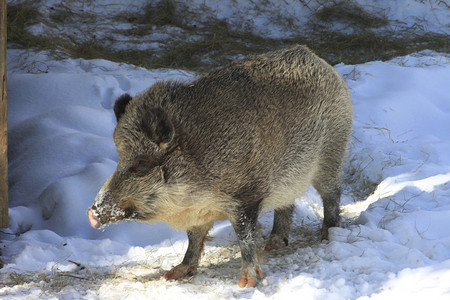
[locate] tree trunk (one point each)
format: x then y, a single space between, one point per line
4 218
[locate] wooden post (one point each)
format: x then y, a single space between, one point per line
4 218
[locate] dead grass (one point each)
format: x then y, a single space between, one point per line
153 14
56 282
20 17
350 13
163 13
213 44
357 185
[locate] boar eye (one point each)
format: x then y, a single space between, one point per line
130 212
143 165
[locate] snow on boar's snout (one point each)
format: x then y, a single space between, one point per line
250 136
104 211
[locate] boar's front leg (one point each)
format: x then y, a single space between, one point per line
188 266
244 225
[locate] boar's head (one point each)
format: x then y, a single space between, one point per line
149 169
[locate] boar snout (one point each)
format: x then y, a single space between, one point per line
93 220
104 211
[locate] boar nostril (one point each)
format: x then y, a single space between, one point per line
93 220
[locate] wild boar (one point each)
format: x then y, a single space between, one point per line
250 136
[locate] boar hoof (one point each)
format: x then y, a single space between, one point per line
248 279
179 272
324 232
275 242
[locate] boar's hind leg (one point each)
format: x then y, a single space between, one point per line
282 220
244 225
196 237
328 185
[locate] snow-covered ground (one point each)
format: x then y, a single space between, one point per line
395 242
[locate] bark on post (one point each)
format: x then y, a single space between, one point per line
4 218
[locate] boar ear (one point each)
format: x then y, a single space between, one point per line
158 127
121 103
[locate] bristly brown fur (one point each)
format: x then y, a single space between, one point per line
251 136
